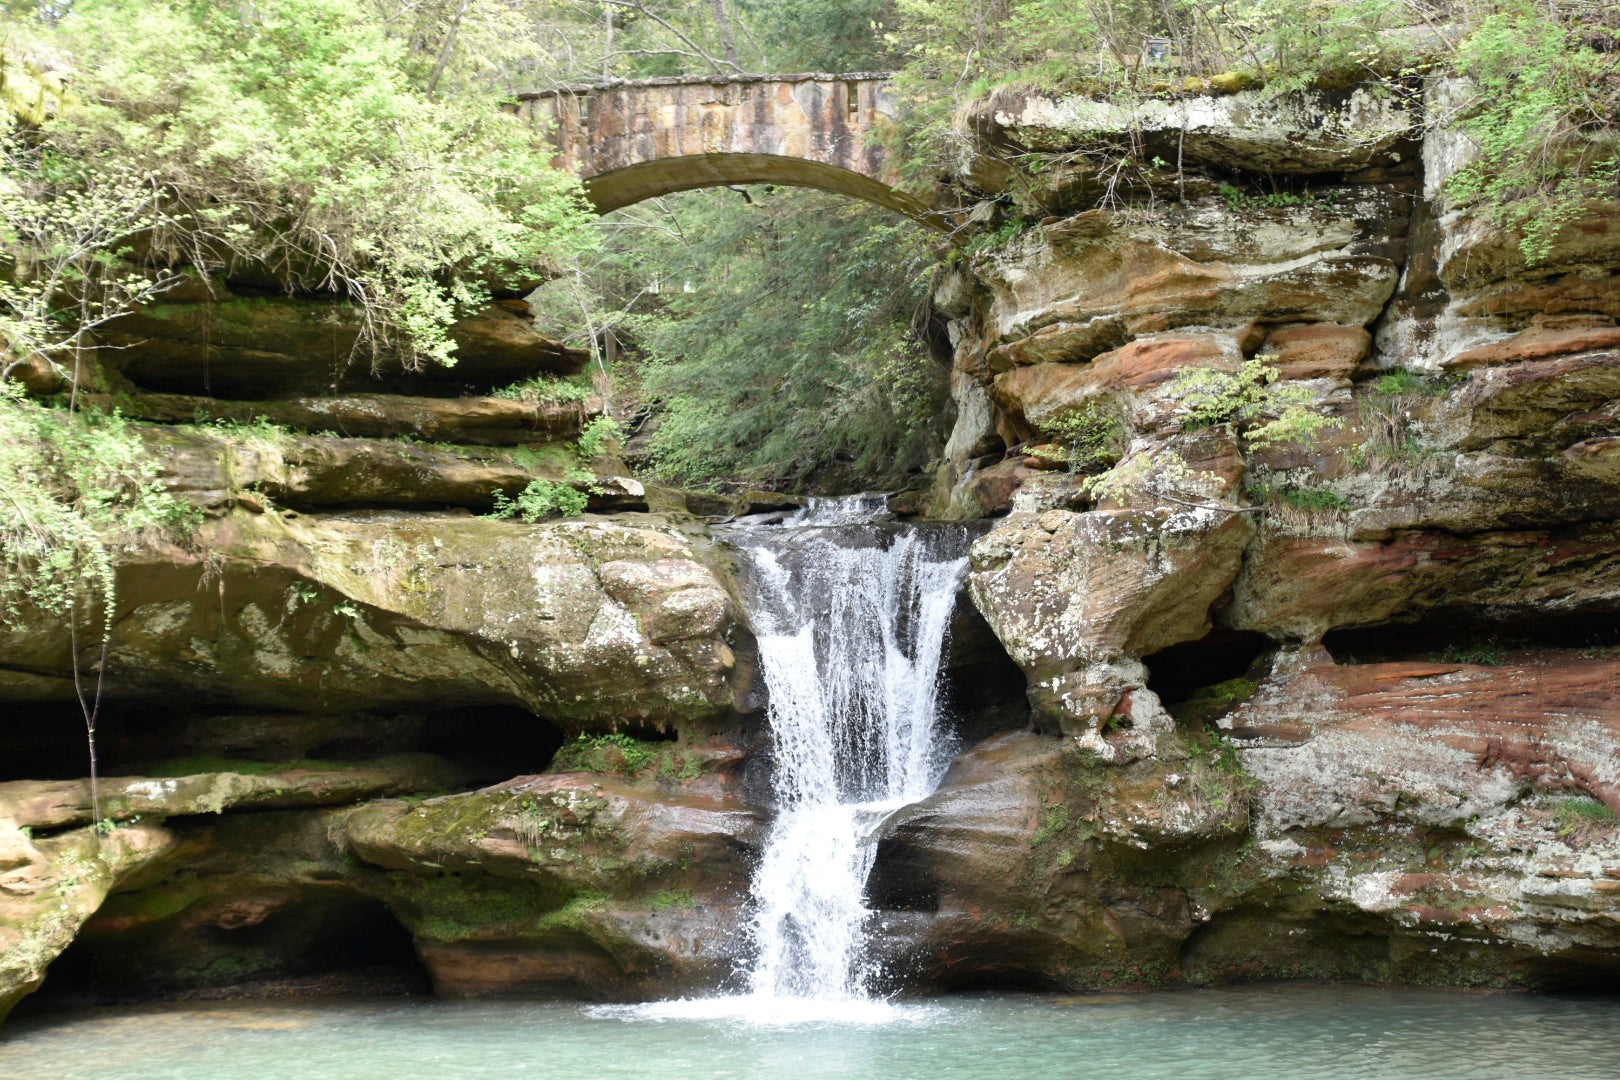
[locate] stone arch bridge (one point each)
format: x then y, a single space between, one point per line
630 141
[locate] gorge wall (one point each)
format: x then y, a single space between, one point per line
1401 626
1342 707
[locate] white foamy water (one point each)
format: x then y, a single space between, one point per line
851 618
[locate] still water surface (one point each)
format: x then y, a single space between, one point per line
1290 1032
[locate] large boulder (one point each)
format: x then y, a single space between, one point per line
1077 599
50 885
567 884
1034 864
591 624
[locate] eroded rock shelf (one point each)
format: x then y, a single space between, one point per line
1352 711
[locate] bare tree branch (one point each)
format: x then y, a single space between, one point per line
697 49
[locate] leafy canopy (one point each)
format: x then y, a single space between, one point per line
294 141
73 488
783 340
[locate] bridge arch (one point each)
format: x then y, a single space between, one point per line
630 141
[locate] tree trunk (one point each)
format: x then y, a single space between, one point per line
449 47
722 22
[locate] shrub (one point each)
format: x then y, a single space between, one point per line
598 435
540 499
610 753
1269 412
75 487
1309 499
299 138
1542 118
1386 411
1092 437
548 390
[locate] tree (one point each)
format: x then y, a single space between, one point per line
297 138
782 337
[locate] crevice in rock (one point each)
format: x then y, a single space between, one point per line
983 692
901 879
1011 975
1257 941
1190 675
490 742
498 742
1463 636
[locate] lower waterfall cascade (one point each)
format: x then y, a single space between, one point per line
851 613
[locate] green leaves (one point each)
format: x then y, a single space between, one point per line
540 499
289 139
72 488
781 338
1285 411
1541 119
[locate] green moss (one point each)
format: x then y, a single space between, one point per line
154 904
1053 822
456 908
552 459
1231 82
1580 813
612 753
573 914
664 899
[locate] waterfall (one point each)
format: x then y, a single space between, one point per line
851 613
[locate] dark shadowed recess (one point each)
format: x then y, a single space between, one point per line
1178 673
983 692
311 941
492 742
1474 637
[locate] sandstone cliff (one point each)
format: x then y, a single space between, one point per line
1343 706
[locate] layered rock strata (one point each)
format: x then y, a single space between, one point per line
1340 703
